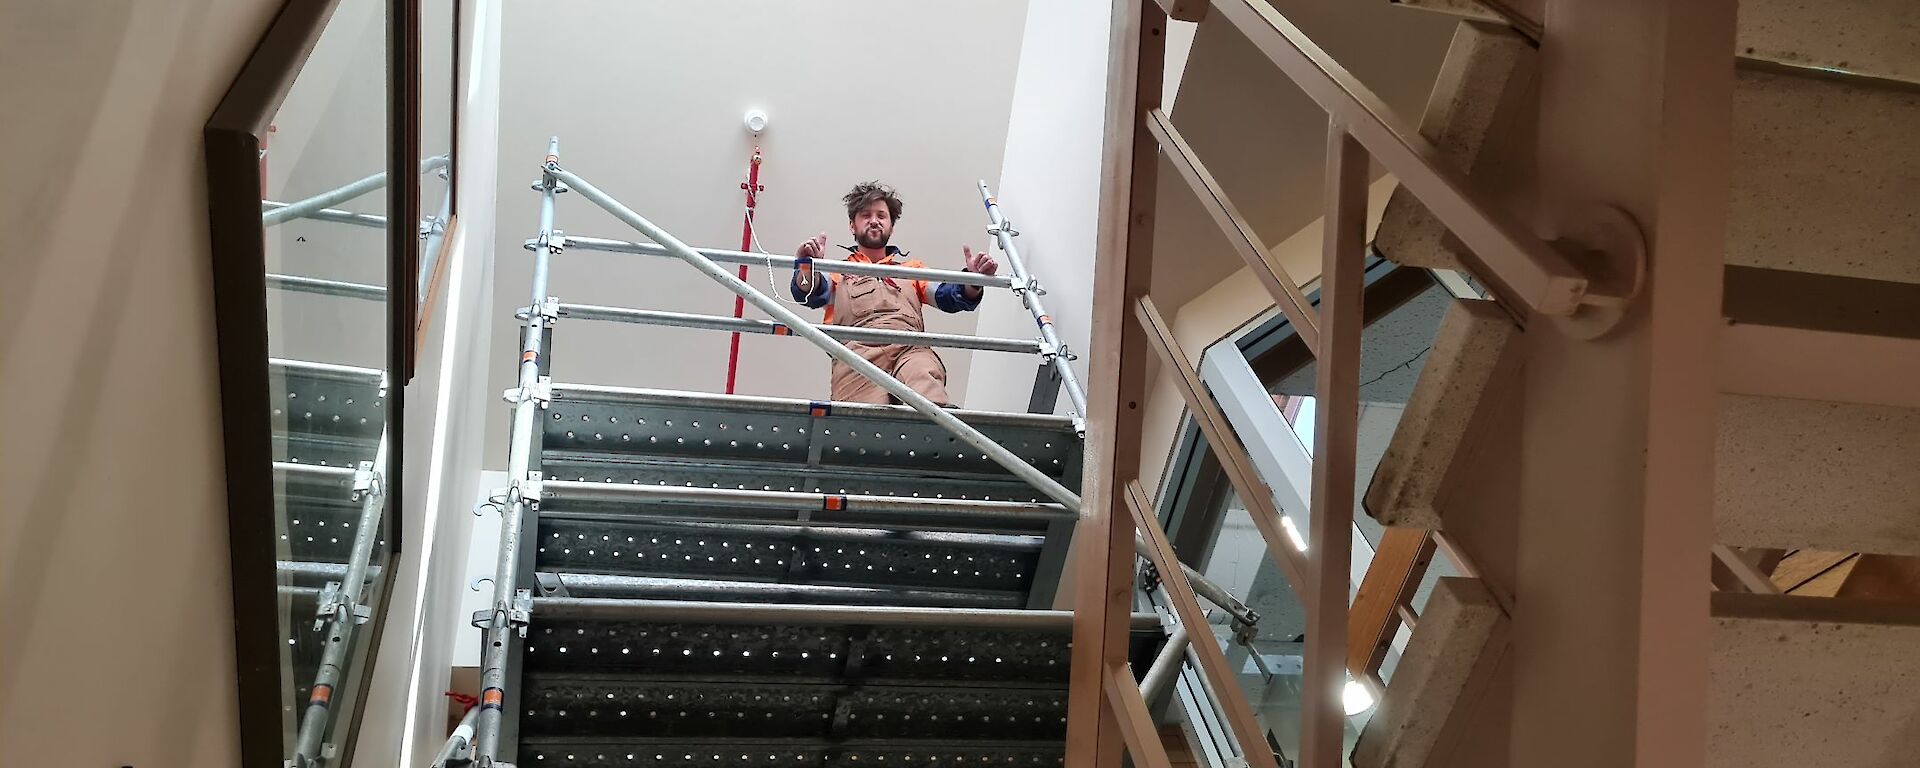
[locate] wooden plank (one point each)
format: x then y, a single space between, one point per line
1399 562
1123 264
1819 365
1336 437
1286 294
1883 577
1227 447
1130 715
1802 565
1829 581
1222 678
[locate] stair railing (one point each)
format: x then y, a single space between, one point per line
1529 276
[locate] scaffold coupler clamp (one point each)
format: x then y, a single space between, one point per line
334 607
554 241
366 481
548 310
541 393
432 225
1080 426
1006 225
1020 284
1048 351
526 490
514 614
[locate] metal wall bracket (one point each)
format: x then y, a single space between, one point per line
1609 246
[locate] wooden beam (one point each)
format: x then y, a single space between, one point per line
1130 715
1336 437
1227 447
1819 365
1883 577
1749 576
1616 490
1399 563
1224 680
1286 294
1118 359
1804 565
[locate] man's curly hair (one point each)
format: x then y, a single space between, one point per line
868 193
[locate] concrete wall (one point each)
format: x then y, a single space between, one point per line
118 642
405 720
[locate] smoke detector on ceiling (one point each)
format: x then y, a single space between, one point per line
756 121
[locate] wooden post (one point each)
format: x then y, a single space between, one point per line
1335 439
1123 268
1615 482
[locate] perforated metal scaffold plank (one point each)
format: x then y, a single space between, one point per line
842 556
325 415
608 421
732 753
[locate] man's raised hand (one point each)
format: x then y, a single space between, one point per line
814 247
979 262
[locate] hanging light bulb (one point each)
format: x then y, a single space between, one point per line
1356 698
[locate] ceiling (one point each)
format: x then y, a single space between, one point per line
1263 139
648 99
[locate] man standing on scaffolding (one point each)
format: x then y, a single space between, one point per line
883 302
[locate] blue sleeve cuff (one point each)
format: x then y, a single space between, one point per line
818 297
953 298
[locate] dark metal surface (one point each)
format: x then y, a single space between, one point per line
718 428
726 753
781 476
781 554
1032 657
786 707
594 585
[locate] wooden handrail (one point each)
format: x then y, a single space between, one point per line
1286 294
1521 268
1227 447
1398 565
1135 722
1225 685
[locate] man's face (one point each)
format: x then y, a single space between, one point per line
872 226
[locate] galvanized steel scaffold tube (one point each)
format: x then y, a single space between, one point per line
1052 351
341 611
512 607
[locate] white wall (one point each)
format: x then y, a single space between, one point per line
405 719
647 97
1050 190
117 646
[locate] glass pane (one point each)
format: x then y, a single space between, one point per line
1269 661
1392 351
326 248
438 46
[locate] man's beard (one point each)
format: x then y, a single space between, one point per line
869 238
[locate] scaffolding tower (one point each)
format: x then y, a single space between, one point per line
671 563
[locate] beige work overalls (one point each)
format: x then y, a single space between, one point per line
874 302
